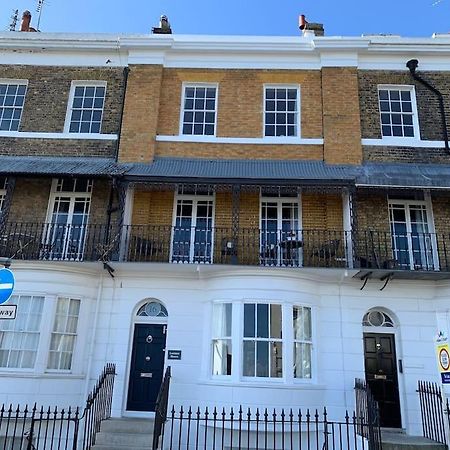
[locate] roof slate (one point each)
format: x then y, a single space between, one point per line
244 171
40 165
250 170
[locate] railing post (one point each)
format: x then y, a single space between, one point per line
31 432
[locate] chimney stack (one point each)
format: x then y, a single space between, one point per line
164 26
306 27
26 20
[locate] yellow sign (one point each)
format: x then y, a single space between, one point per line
443 359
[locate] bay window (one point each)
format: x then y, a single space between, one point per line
43 336
254 340
19 338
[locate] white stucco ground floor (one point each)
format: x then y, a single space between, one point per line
256 337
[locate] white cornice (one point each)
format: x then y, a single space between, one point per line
252 52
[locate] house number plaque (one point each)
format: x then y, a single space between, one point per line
174 354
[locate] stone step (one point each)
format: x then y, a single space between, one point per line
125 434
119 438
392 440
118 447
127 425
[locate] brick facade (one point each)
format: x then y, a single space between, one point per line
141 111
46 104
57 147
31 199
405 154
341 116
238 151
429 115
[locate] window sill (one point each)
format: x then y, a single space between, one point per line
4 373
269 384
402 142
239 140
43 135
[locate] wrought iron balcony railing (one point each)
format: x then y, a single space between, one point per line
410 251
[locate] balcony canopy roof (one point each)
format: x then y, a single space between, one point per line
231 171
243 171
431 176
62 166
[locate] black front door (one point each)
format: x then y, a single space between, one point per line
381 376
147 366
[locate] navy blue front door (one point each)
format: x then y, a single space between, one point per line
147 366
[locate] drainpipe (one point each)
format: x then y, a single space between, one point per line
94 335
114 180
412 66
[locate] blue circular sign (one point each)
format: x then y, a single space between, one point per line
6 285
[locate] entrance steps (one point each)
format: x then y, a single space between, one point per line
125 433
396 439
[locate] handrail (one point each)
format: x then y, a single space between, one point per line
161 408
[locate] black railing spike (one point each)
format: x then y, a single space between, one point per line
257 413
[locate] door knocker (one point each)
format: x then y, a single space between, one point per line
149 339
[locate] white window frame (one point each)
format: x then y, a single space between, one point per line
298 123
45 331
427 203
280 200
64 333
261 339
195 198
72 195
38 332
186 85
3 191
237 343
415 117
16 81
215 337
82 83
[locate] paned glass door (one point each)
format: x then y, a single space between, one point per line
192 239
65 234
412 242
280 232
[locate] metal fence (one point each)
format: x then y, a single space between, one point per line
39 428
435 412
260 430
365 249
161 408
367 414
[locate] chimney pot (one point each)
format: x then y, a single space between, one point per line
307 27
26 20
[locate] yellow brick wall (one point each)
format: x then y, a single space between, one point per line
238 151
240 99
152 208
341 116
140 115
322 211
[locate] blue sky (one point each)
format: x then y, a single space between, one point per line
246 17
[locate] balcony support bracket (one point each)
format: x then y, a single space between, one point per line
386 279
365 278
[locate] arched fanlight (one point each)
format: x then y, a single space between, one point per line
377 318
152 309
